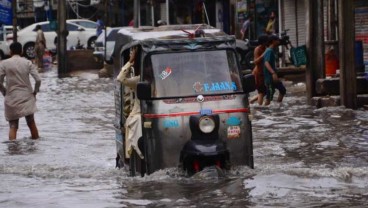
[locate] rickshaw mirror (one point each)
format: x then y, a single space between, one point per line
249 83
144 90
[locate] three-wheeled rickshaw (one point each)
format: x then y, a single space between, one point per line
194 109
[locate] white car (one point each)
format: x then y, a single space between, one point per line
4 44
100 45
77 32
84 23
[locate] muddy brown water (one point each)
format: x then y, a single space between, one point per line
304 157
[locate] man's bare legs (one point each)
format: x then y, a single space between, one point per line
267 102
12 133
253 99
13 128
260 98
280 98
32 126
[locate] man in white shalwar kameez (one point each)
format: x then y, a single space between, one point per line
20 98
40 47
133 124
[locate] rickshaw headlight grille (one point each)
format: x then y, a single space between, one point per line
206 124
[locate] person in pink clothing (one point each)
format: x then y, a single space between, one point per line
20 97
131 23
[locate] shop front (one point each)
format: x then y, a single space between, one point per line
263 13
215 13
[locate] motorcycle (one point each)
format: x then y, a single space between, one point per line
285 42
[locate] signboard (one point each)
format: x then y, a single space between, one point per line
241 9
299 55
6 12
361 31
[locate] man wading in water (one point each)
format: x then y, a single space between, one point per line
20 98
272 81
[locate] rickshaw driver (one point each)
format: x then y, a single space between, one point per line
133 124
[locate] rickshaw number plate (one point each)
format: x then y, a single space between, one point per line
233 132
206 112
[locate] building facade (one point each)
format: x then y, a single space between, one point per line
227 15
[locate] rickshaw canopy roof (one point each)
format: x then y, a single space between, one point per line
151 38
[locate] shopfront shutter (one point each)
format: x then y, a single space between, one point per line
289 19
301 23
294 19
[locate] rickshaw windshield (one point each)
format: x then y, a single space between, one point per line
194 73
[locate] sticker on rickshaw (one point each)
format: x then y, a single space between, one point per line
214 86
197 87
219 86
164 74
171 123
233 121
205 112
233 132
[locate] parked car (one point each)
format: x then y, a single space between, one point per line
84 23
4 44
27 36
99 52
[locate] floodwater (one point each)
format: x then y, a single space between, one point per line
304 157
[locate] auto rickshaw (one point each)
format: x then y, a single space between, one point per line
194 109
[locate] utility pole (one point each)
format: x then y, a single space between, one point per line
122 13
348 83
315 46
62 33
14 10
105 25
136 13
167 13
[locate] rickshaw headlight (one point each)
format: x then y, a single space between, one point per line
206 124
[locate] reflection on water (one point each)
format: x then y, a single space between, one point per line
21 147
304 157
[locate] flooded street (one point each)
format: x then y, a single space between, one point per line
304 157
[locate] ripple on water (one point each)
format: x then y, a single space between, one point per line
304 157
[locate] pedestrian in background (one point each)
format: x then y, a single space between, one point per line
40 47
272 81
20 98
258 69
270 27
244 31
100 25
131 23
